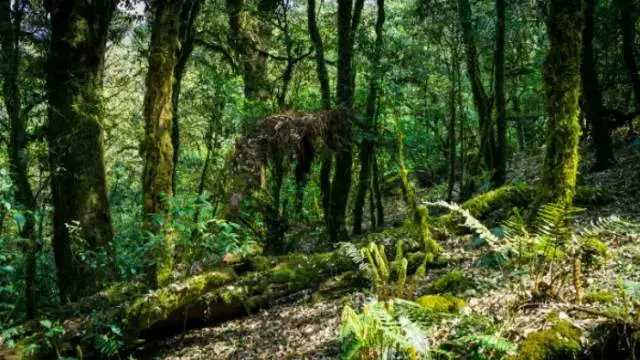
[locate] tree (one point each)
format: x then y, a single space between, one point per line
348 20
366 148
158 147
628 17
188 14
562 88
323 78
500 172
10 57
249 37
480 98
600 132
75 135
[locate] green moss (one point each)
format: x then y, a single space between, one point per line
504 197
260 263
452 282
156 305
562 80
594 251
601 296
560 342
440 303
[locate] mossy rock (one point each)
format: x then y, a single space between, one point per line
452 282
560 342
441 303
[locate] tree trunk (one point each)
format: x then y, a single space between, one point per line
500 172
321 67
341 185
375 174
158 147
189 13
480 99
75 135
245 38
520 133
451 127
600 132
10 29
627 23
562 89
323 77
366 148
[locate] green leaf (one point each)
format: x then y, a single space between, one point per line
20 220
46 323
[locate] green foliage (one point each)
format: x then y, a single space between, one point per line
373 334
385 273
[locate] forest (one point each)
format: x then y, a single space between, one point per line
319 179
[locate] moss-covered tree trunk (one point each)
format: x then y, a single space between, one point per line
500 171
628 18
325 90
377 194
10 30
247 37
366 147
188 15
75 135
600 133
480 99
348 19
562 88
158 147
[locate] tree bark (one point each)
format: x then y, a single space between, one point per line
10 29
188 15
323 78
451 126
158 147
245 39
321 66
500 171
348 19
366 147
480 99
75 135
562 88
600 132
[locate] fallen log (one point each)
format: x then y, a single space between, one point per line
521 196
209 298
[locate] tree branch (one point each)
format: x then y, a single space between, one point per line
218 49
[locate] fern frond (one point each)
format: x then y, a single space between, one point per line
470 222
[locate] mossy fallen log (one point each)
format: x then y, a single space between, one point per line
121 305
209 298
520 196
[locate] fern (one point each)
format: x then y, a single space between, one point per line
470 222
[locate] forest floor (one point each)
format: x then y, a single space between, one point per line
307 328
